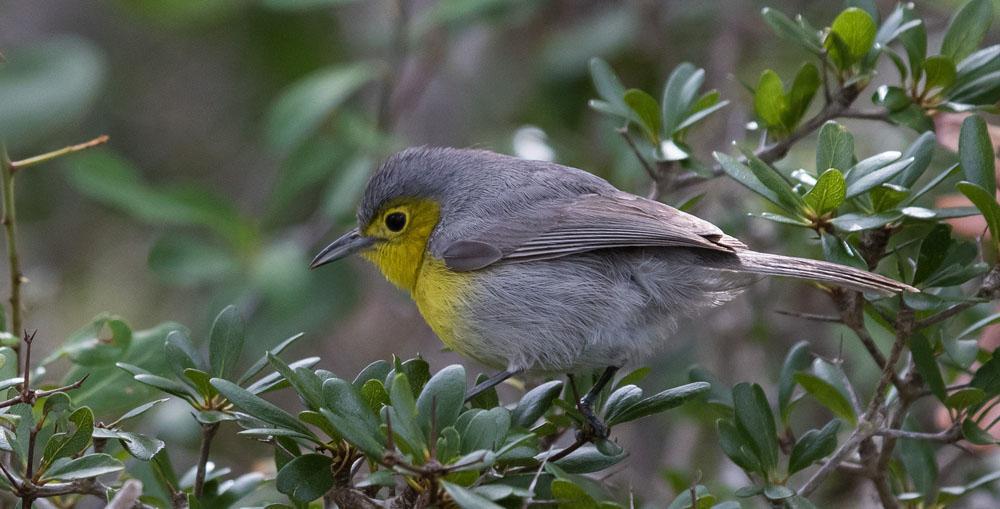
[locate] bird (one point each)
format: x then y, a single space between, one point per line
531 266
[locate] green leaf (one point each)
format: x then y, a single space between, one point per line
827 395
374 394
813 446
679 94
976 435
987 377
839 251
939 73
181 353
738 447
987 204
776 182
965 398
788 29
770 103
648 111
225 344
306 478
859 182
446 392
351 417
91 465
804 87
933 251
589 459
922 151
609 87
660 402
306 383
754 418
856 29
914 41
100 343
486 430
258 407
47 87
535 403
967 28
378 370
835 148
72 443
703 499
403 413
975 151
165 384
740 173
828 193
262 362
139 446
467 499
302 108
920 462
798 359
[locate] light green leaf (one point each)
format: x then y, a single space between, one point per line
857 30
835 147
770 103
828 193
827 395
648 112
679 94
225 343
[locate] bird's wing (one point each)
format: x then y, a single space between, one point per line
582 223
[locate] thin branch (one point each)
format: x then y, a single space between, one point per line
863 431
33 395
810 316
207 434
10 231
947 436
48 156
881 114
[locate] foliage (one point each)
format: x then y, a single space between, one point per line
402 433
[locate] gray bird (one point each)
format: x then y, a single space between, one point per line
533 266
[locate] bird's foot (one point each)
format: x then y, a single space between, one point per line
593 427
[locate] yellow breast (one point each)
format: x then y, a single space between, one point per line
440 296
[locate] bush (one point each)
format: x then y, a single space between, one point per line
399 434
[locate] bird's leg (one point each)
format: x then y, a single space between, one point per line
594 426
490 383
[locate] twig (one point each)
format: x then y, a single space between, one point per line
810 316
947 436
10 231
878 114
48 156
33 395
207 434
863 431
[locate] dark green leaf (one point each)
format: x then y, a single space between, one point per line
609 87
257 406
839 251
975 151
922 151
352 417
798 359
827 395
306 477
467 499
976 435
738 447
445 391
648 112
754 418
139 446
660 402
225 343
259 365
987 377
835 147
740 173
851 223
920 462
967 28
776 182
807 82
859 181
987 204
939 73
933 251
788 29
589 459
75 442
91 465
535 403
813 446
403 413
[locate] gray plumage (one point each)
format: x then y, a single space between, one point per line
569 272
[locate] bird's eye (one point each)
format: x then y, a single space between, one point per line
395 221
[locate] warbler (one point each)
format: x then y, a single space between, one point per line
533 266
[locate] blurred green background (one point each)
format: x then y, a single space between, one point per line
243 131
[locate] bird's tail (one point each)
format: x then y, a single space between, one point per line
802 268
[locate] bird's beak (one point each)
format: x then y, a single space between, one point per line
348 244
